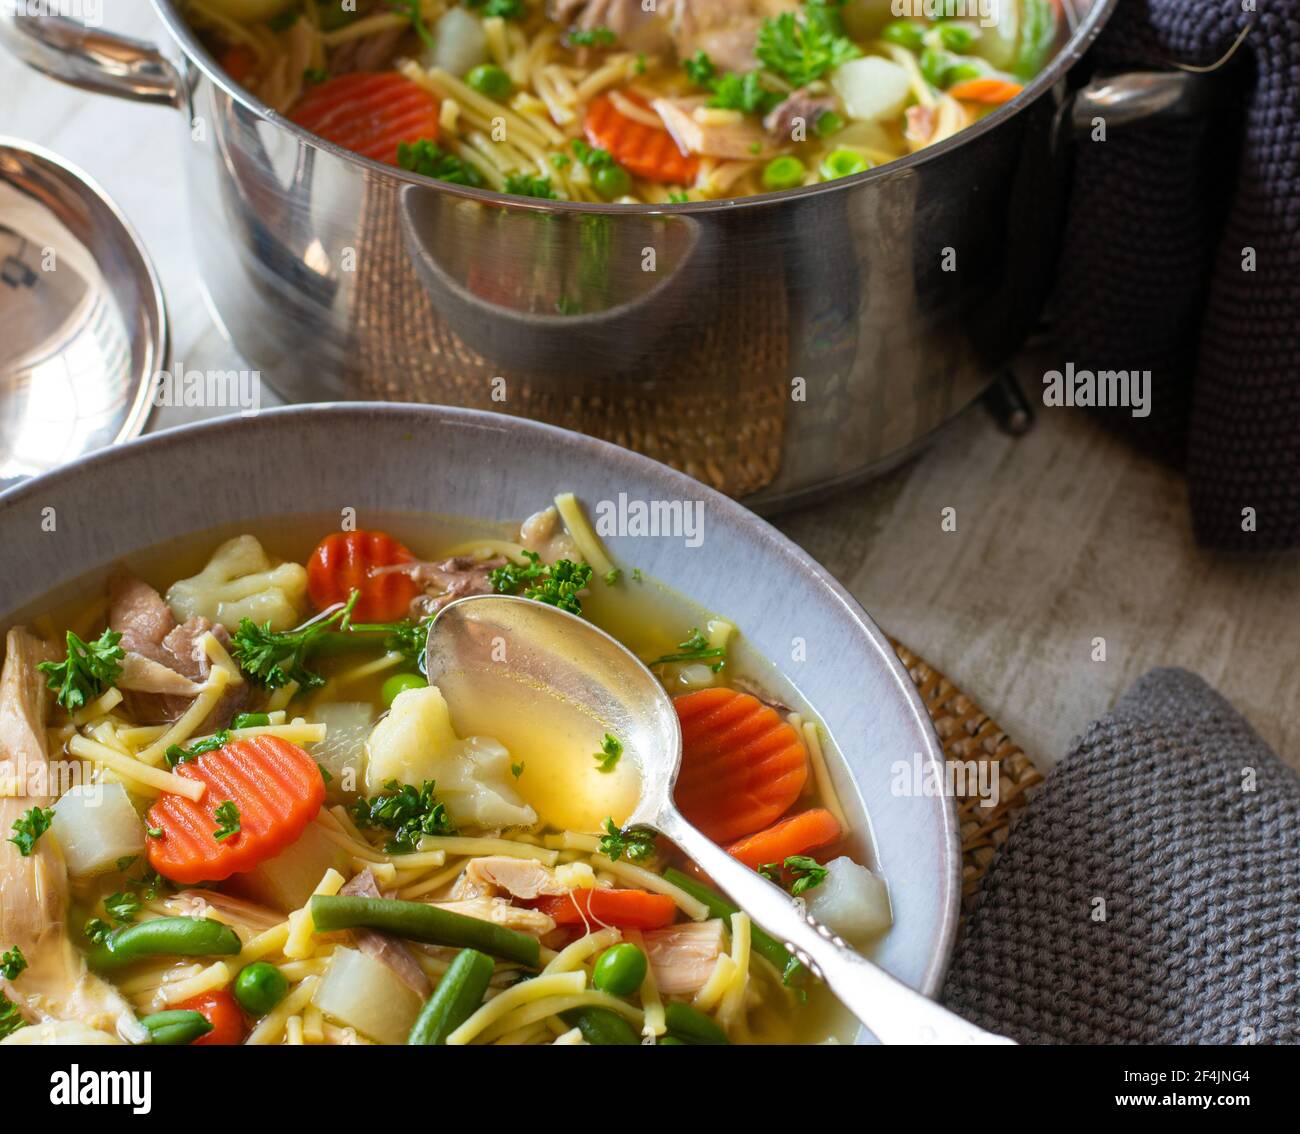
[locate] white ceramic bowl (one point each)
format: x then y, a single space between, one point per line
406 458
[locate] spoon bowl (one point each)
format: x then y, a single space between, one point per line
522 648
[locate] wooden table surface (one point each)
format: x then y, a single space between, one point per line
1063 536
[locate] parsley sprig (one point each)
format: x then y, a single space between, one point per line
805 873
557 584
696 648
29 827
526 185
88 669
802 50
731 91
634 844
12 962
10 1020
430 159
409 813
506 9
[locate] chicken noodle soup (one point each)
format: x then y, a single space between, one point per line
236 812
628 101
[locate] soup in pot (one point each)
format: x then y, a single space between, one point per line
633 101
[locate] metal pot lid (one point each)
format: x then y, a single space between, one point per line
83 326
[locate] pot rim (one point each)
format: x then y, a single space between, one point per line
1081 39
173 441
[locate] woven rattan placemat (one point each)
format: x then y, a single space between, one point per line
968 733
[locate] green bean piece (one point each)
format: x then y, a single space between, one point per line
167 937
455 1000
692 1026
602 1028
418 921
766 946
171 1029
670 1041
259 987
1037 38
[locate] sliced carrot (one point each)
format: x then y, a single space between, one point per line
348 561
238 62
742 764
643 150
797 835
990 91
221 1010
369 113
277 788
627 909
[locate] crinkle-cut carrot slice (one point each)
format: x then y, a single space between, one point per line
742 764
369 113
277 788
643 150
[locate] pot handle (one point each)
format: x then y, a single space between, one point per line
1138 96
90 58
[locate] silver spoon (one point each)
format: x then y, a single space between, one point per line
550 660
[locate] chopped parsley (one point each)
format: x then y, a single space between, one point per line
611 751
805 873
593 157
592 37
122 907
803 50
29 827
409 813
176 754
517 770
555 584
12 962
612 577
526 185
88 669
314 75
154 832
696 648
634 845
227 815
428 158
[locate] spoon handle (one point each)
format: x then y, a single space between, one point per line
893 1012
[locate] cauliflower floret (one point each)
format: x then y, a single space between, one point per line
415 742
242 581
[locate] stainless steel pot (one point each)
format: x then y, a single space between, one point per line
772 346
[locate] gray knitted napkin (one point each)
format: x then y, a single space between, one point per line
1150 892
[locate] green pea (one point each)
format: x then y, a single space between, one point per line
400 683
955 37
964 70
905 33
612 181
784 173
259 987
491 80
935 65
843 163
829 123
620 969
